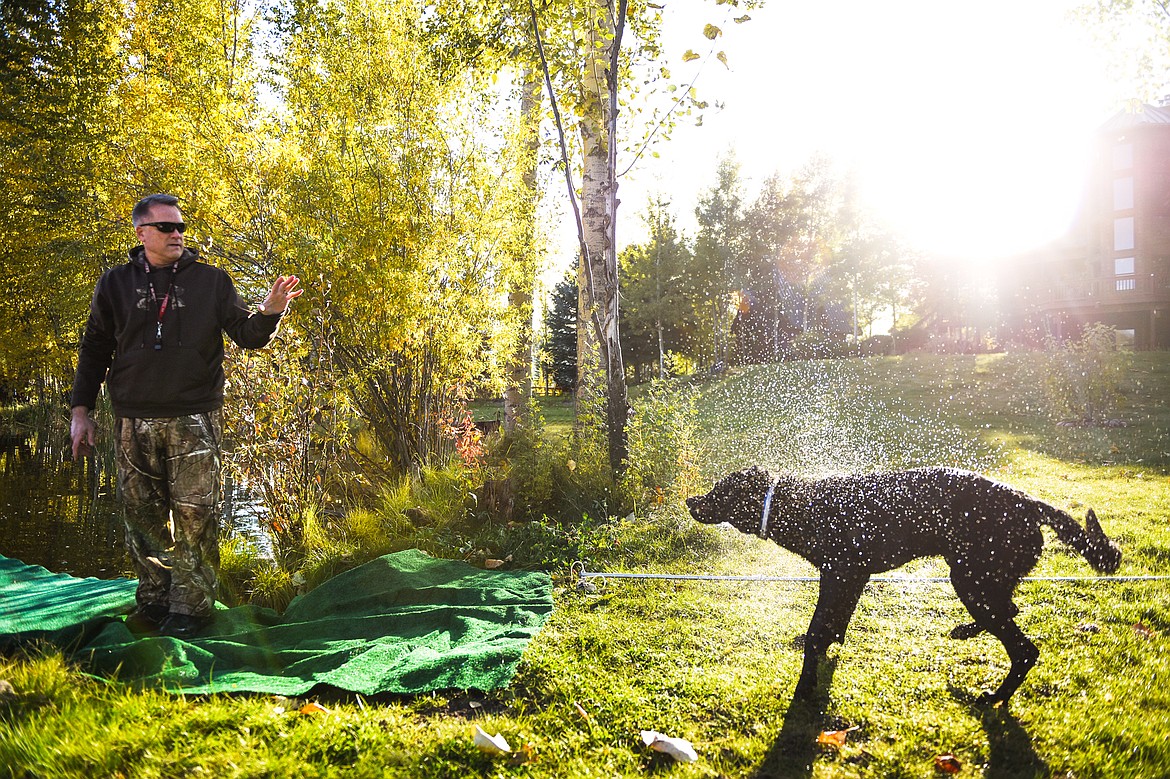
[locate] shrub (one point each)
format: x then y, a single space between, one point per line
1082 379
529 458
664 448
817 344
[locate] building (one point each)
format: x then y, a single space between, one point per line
1114 265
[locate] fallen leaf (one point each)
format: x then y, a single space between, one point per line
6 689
835 738
526 753
678 748
492 563
584 714
572 465
493 745
314 708
1145 631
947 764
711 32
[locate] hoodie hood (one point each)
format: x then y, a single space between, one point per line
190 256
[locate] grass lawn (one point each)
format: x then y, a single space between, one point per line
716 662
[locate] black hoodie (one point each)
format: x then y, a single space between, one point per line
180 373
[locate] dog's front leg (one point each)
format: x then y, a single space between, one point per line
839 593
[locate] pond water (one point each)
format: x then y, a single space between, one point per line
66 517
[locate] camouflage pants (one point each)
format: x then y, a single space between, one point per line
168 472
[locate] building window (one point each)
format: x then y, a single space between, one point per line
1126 285
1123 234
1123 156
1123 194
1123 266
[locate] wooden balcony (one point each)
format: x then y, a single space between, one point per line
1110 291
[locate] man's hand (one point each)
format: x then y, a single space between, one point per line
83 432
284 291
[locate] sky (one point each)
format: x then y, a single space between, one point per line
967 125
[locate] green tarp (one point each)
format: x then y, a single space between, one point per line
403 623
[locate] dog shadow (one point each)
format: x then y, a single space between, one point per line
795 749
1011 754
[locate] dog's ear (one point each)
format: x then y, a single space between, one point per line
1092 525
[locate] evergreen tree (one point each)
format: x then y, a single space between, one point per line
718 254
561 334
655 306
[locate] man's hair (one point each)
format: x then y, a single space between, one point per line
150 201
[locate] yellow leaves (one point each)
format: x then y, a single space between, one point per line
711 32
722 57
690 56
314 708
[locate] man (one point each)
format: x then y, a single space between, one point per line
155 337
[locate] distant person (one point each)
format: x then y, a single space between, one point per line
155 337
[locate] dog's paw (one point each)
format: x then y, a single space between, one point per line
964 632
990 700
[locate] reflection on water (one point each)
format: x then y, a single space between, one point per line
65 516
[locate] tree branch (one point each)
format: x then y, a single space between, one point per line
552 99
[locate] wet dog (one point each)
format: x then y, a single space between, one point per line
851 527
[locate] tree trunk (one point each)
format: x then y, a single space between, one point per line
600 370
661 351
599 356
519 389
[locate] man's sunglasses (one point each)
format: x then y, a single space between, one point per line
166 227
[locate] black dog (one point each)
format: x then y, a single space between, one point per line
851 527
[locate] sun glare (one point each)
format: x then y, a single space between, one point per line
967 127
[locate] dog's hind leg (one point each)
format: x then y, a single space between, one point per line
990 603
836 603
972 629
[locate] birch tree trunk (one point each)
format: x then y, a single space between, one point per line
519 387
600 369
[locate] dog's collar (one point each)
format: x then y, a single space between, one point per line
767 508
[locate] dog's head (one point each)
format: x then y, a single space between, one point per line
737 498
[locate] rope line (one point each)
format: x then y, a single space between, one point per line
583 574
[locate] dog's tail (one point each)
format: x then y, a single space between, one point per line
1091 541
